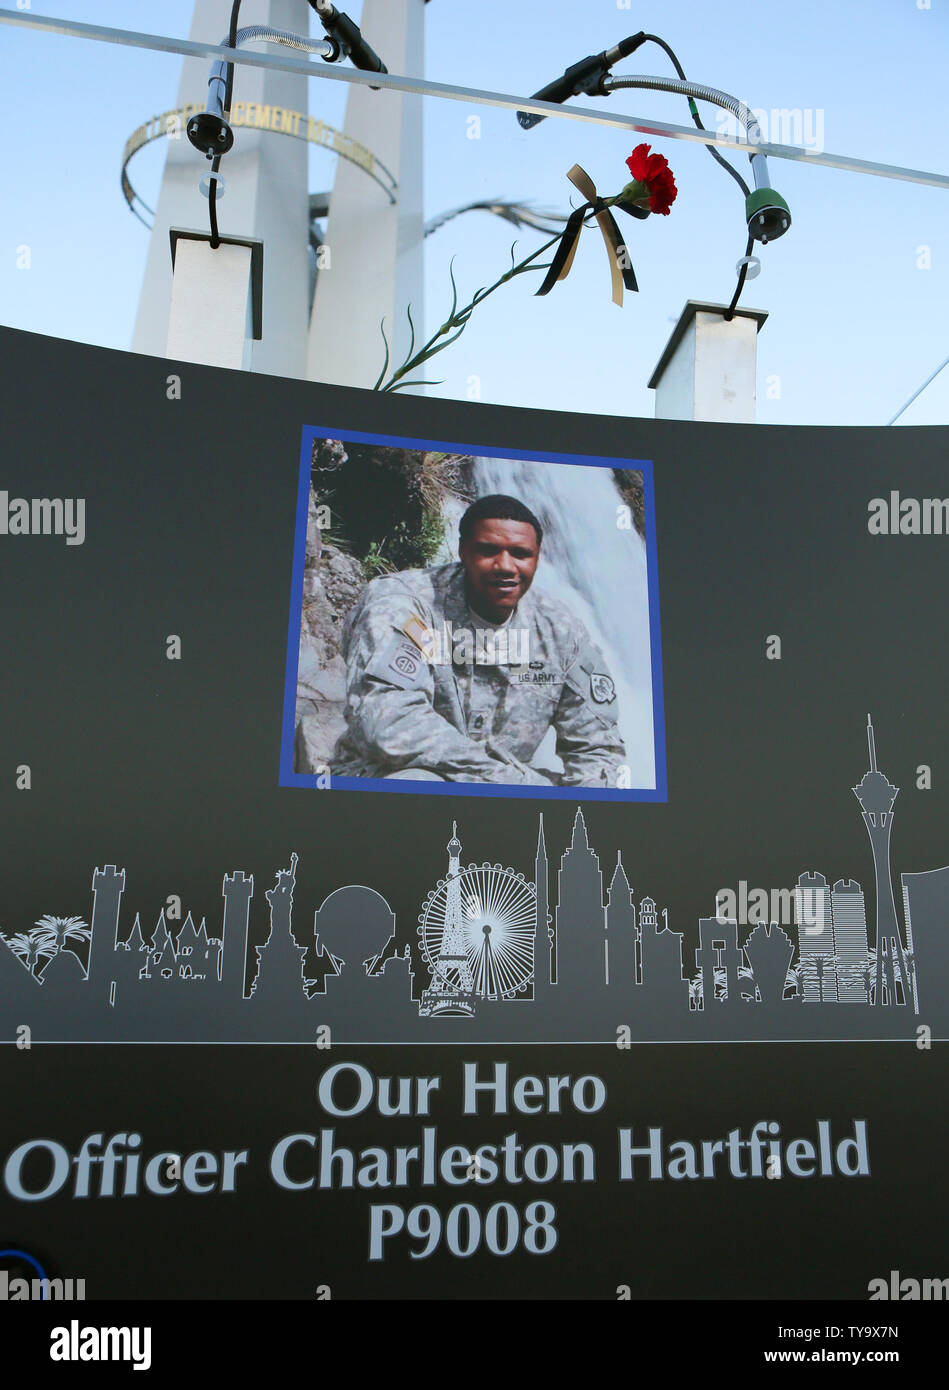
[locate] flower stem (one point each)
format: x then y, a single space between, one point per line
459 318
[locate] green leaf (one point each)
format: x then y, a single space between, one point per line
401 385
385 364
454 288
523 269
408 310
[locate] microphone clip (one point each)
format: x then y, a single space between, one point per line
347 37
585 77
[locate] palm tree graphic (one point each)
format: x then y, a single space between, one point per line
61 930
30 948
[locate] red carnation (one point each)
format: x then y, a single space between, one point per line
653 181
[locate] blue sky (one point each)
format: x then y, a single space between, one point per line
856 291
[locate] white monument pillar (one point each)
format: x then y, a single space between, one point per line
266 197
708 369
375 247
214 302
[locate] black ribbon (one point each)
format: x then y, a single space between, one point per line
621 269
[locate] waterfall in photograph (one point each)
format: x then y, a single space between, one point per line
593 567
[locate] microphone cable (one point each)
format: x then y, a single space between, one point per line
716 155
216 161
654 38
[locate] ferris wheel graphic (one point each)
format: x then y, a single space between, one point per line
476 933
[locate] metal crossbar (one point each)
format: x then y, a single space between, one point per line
189 48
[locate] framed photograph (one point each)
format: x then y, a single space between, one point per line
468 621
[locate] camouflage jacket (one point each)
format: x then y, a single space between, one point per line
426 690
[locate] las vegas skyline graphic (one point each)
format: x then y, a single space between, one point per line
497 955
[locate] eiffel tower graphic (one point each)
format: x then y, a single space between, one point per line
452 988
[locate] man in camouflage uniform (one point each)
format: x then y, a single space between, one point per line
456 673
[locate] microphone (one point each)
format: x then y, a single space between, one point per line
585 76
341 28
208 130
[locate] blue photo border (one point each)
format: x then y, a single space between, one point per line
290 778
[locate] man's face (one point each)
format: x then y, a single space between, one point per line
500 558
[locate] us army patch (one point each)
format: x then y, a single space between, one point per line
400 663
602 688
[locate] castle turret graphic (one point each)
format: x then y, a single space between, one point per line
876 796
131 959
452 984
108 885
199 955
163 962
237 891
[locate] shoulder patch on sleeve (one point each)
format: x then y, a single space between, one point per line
420 633
590 678
602 688
399 663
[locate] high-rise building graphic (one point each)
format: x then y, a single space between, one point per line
851 948
621 946
543 941
876 795
581 919
926 905
452 984
813 915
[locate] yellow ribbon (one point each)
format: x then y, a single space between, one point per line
621 272
612 240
